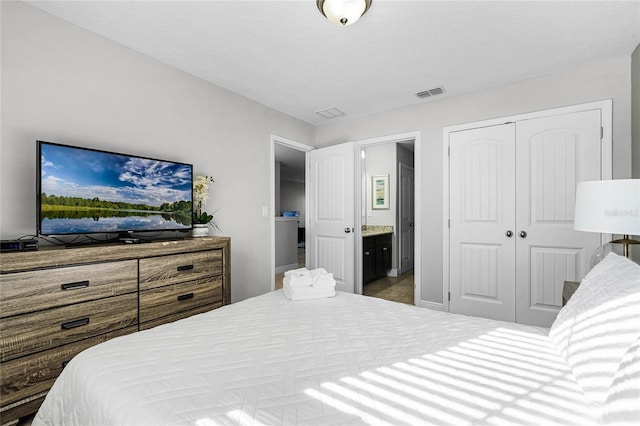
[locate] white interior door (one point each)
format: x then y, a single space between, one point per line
482 222
552 155
407 218
330 188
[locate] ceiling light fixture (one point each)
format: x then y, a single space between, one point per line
343 12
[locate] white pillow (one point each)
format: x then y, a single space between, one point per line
622 406
599 323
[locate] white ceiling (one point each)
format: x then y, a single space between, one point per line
286 55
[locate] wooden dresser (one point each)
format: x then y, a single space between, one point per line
56 302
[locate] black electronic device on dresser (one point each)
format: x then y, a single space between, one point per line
18 245
376 259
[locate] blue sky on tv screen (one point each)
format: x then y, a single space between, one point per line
76 172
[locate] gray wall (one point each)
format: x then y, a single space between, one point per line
635 109
63 84
605 80
292 198
381 160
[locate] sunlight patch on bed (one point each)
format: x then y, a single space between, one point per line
372 404
342 406
461 380
243 419
397 398
493 372
206 422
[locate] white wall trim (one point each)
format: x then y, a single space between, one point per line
400 137
275 139
606 108
430 305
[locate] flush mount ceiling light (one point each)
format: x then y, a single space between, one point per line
343 12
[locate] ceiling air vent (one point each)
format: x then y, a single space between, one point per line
430 92
330 113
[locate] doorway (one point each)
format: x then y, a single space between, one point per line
288 207
327 167
390 226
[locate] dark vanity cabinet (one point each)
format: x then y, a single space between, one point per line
376 259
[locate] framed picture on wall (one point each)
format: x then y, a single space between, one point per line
380 192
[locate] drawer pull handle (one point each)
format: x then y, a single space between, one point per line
185 268
76 323
74 286
185 296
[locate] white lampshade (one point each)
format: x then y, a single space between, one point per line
608 206
343 12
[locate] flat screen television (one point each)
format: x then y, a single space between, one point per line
85 191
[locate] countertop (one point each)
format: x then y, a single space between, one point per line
372 230
286 218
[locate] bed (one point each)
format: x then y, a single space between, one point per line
353 359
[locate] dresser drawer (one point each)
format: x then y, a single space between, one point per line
178 316
167 300
38 331
30 375
24 292
165 270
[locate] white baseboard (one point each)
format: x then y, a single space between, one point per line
431 305
286 268
393 273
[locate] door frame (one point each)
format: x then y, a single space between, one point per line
415 136
606 151
275 139
401 167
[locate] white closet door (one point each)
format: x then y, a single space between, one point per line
330 187
552 155
482 254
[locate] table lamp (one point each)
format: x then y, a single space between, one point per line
610 207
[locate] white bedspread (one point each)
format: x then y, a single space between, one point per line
344 360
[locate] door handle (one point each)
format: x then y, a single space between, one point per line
348 230
509 234
523 234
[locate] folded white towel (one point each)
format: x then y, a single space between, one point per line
306 293
316 273
297 282
295 271
298 277
325 281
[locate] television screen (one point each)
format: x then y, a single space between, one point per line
86 191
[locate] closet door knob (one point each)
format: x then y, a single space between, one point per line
509 234
523 234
